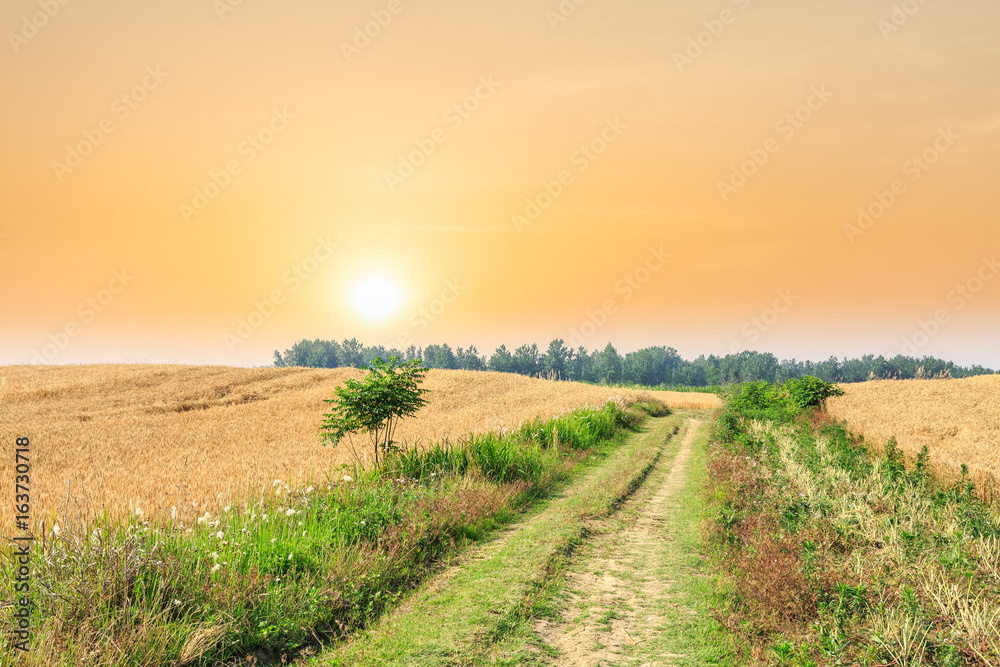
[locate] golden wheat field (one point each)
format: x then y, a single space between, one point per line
958 420
125 437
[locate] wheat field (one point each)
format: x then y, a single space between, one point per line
958 420
146 438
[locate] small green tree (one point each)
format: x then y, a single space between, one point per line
375 404
811 392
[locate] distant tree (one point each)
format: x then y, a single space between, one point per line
580 366
555 358
829 370
502 361
651 366
439 356
609 365
312 354
526 360
469 359
352 353
368 354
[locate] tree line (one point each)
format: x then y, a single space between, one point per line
651 366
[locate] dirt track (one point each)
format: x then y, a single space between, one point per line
616 593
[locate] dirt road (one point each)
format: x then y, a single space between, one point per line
634 596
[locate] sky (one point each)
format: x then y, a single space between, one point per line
206 181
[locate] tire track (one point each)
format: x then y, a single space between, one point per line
616 592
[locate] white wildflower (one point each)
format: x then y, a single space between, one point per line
348 478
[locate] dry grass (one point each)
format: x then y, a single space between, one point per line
121 433
958 420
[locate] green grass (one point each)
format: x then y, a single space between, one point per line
301 565
834 554
479 612
671 621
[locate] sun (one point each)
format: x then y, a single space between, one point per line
376 298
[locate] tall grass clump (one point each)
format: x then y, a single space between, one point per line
295 566
833 553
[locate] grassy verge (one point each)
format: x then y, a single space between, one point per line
835 555
478 612
287 572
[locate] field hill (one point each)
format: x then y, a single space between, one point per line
145 438
958 420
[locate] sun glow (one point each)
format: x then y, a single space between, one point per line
376 298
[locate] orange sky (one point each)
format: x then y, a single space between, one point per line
667 120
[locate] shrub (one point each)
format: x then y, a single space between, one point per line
811 392
376 403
